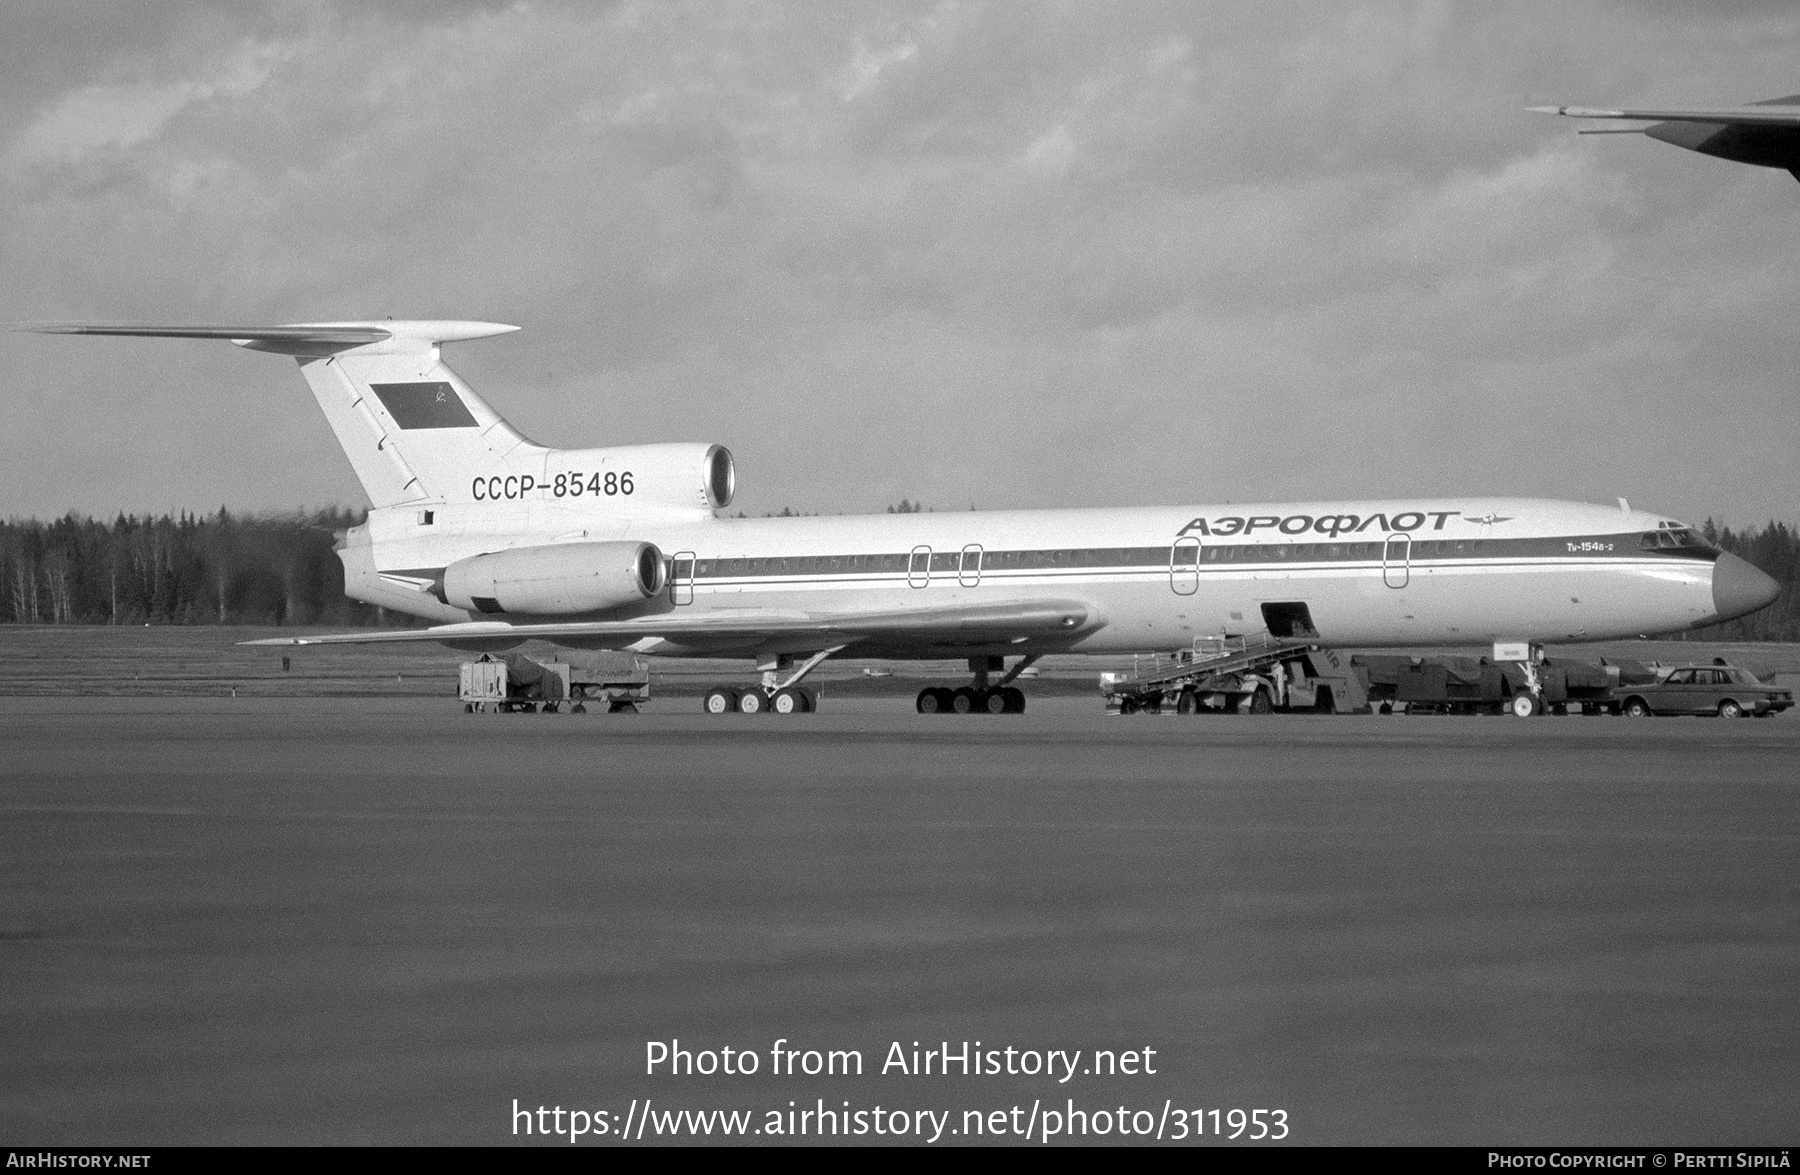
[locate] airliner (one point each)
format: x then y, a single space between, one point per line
499 541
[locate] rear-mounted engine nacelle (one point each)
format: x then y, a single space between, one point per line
559 580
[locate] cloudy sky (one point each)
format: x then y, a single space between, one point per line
1001 254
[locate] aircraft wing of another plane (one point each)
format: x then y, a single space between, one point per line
1765 134
999 621
1776 116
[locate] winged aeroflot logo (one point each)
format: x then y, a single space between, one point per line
1333 525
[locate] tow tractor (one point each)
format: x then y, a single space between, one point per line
1258 673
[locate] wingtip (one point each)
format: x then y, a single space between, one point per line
45 328
1584 112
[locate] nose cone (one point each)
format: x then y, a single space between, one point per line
1740 589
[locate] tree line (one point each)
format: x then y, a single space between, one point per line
280 569
276 569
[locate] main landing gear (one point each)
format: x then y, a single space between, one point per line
969 700
774 696
980 697
793 700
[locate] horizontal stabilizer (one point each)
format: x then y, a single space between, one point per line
301 338
1021 618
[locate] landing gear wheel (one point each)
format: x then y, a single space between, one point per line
752 702
1524 705
964 700
788 701
578 708
1260 703
995 702
933 700
719 701
1015 700
1730 709
1637 708
549 708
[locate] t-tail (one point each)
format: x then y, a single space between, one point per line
417 435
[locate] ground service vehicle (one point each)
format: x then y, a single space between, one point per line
520 684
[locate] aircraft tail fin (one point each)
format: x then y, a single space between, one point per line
412 429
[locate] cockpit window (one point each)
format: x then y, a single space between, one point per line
1673 539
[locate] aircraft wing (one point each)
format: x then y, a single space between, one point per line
998 621
1771 116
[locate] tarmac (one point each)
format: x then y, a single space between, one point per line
379 920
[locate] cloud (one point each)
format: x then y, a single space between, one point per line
934 250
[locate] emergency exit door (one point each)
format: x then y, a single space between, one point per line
1184 565
1396 560
681 578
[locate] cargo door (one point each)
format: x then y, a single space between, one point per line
1396 560
1184 565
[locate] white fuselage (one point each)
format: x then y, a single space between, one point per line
1406 572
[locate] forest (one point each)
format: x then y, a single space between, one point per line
279 569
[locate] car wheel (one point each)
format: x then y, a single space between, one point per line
1730 709
1260 703
1637 708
